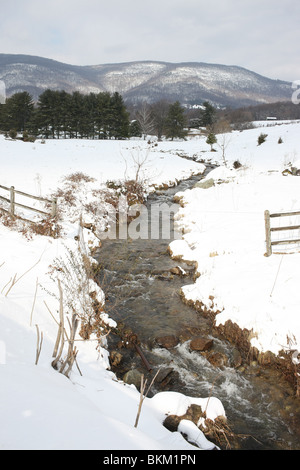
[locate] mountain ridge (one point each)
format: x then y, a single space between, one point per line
150 81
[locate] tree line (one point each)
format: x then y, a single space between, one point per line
60 114
241 117
104 115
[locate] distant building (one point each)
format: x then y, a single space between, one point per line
194 132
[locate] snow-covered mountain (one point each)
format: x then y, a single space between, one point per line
189 83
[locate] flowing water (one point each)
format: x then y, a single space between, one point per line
143 294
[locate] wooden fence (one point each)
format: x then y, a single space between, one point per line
270 230
11 200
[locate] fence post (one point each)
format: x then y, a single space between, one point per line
54 207
12 200
268 234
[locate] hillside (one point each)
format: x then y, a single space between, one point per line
189 83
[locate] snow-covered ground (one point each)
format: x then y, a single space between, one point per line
224 233
38 168
40 408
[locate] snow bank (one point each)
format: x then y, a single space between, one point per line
41 166
40 408
224 233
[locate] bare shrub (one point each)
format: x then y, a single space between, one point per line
134 191
66 195
79 177
82 296
48 227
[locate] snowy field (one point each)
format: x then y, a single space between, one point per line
38 168
40 408
224 233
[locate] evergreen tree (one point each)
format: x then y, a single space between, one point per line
118 120
135 129
91 103
17 111
60 114
64 111
208 115
175 121
76 115
211 140
48 114
102 115
32 125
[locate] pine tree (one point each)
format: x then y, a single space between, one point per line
208 115
118 118
211 140
91 114
64 110
48 114
175 121
60 114
135 129
102 115
17 111
76 115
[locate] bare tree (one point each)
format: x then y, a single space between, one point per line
223 129
140 159
145 119
160 111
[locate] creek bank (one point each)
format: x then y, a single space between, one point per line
199 340
276 369
143 285
281 363
217 431
240 338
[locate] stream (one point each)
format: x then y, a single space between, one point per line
143 294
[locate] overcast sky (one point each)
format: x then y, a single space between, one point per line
260 35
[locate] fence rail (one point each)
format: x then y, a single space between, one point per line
11 200
270 230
